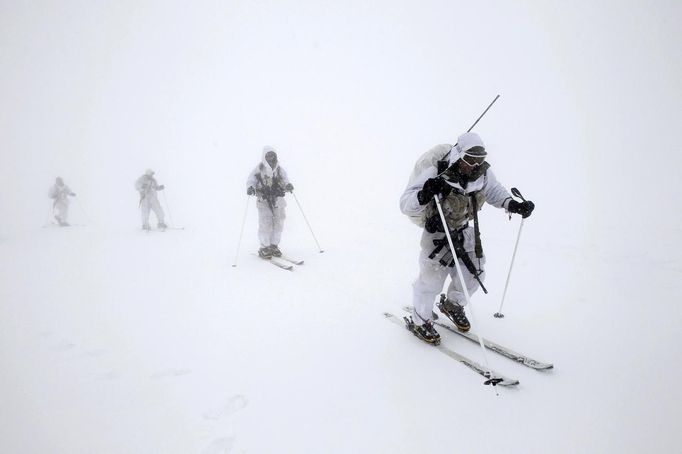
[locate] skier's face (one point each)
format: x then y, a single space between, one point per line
468 164
271 158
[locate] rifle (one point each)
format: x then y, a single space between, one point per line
460 253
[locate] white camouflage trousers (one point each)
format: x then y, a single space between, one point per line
432 276
151 203
270 222
61 211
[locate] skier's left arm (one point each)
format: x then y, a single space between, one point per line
286 184
495 194
498 196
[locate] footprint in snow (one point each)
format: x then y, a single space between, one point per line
93 353
219 446
171 373
111 375
63 346
233 405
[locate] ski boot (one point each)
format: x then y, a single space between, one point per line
265 253
146 227
425 331
162 226
455 313
274 250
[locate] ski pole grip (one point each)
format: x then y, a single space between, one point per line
516 193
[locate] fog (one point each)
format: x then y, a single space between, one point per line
350 94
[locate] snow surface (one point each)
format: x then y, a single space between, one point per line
117 341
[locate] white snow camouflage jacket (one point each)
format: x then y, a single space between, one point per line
490 189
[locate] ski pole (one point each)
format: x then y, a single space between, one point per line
306 221
50 213
170 215
490 380
499 313
241 232
85 215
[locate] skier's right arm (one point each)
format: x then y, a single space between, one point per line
252 181
139 184
409 201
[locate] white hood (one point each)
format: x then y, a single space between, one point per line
465 142
267 170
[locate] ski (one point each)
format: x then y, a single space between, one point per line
277 261
153 230
54 224
496 378
291 259
495 347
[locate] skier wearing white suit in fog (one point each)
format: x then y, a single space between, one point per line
60 192
147 186
268 182
463 182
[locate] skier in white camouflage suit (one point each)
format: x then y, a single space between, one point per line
59 192
463 183
147 186
269 182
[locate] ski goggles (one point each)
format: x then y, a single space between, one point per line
473 161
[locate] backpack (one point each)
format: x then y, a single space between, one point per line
435 157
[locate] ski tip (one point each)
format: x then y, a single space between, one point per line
501 382
498 315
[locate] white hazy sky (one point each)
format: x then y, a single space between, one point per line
98 91
350 93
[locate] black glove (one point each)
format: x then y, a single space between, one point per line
73 194
434 224
522 208
250 191
160 188
289 187
431 187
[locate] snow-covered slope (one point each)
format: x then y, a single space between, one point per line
117 341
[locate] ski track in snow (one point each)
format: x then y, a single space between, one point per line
220 446
63 346
218 415
171 373
230 407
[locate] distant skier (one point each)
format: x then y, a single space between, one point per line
268 182
60 193
463 181
147 186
